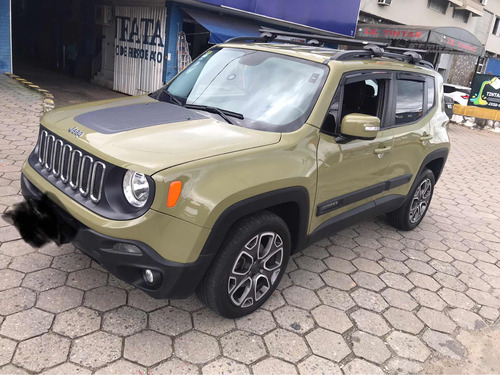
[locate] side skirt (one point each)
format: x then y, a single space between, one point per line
346 219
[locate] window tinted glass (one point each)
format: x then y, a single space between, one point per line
362 97
430 93
409 101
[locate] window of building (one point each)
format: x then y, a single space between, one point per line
409 101
438 5
461 14
496 27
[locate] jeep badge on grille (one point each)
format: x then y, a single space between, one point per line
76 132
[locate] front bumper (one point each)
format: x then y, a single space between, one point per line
177 280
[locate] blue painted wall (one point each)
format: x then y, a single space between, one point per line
493 67
5 48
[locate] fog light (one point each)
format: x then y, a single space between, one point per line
126 248
149 276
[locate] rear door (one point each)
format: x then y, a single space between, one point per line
414 102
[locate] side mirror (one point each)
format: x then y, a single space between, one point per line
361 126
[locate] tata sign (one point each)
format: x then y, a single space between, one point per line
339 16
485 91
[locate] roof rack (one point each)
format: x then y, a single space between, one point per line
370 49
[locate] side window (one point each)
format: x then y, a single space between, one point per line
363 97
409 101
431 92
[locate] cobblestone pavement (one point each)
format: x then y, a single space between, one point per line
368 300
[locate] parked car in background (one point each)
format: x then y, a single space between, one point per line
459 94
448 106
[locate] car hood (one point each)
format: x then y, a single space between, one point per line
145 135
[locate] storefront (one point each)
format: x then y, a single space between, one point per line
145 44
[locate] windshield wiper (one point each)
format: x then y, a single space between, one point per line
221 112
171 97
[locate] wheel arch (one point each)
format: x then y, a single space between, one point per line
291 204
435 161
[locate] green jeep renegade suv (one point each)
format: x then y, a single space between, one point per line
254 151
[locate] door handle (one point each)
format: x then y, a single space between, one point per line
383 150
425 137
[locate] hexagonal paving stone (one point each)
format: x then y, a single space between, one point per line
436 320
55 350
105 298
46 279
338 280
490 313
224 366
467 319
67 368
96 349
370 322
286 345
71 262
399 299
196 347
368 281
443 267
394 266
31 262
359 366
467 268
397 281
315 365
170 321
16 248
331 319
423 281
398 365
140 300
175 367
148 348
124 321
419 266
483 298
339 265
209 322
259 322
301 297
10 279
60 299
87 279
77 322
26 324
294 319
328 344
54 250
403 320
310 264
7 348
408 346
243 346
306 279
273 366
448 281
369 300
428 299
121 367
456 299
367 265
369 347
444 344
336 298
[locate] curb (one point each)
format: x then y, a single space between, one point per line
48 101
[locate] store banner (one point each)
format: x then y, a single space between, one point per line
139 49
485 91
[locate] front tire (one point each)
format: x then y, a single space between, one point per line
409 216
249 266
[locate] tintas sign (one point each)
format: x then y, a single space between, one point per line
339 16
485 91
139 49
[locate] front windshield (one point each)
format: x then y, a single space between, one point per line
273 92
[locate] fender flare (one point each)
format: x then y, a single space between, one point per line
297 194
440 153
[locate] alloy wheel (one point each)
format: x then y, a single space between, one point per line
420 201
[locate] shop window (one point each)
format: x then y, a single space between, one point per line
496 28
438 5
409 101
363 97
461 14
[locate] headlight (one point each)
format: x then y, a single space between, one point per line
136 188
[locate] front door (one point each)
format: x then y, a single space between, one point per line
352 172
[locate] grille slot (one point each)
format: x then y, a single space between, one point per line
71 165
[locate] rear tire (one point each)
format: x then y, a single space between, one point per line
409 216
248 267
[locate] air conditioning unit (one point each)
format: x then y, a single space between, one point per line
104 15
384 2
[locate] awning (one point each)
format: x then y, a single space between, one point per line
223 28
435 39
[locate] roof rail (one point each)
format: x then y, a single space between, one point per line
370 49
